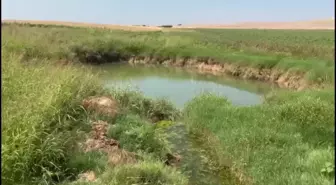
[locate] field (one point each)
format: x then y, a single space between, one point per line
290 58
323 24
287 140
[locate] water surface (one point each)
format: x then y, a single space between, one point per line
180 85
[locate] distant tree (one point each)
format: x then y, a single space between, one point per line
179 25
166 26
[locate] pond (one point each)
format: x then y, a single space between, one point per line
179 86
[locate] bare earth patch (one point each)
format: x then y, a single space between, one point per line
103 105
98 139
99 142
89 176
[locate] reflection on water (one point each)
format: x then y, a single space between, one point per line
180 86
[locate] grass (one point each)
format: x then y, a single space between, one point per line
40 115
288 140
135 135
308 52
43 121
143 173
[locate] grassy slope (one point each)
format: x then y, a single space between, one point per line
288 140
309 52
43 121
40 114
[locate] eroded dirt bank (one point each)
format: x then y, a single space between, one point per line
283 79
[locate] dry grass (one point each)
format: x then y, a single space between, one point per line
91 25
326 24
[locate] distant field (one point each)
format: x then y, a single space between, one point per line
327 24
305 25
92 25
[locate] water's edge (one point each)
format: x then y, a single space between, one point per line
199 161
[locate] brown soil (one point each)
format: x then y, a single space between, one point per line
116 156
103 105
282 78
89 176
173 160
99 142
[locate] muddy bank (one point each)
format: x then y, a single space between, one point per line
282 78
285 79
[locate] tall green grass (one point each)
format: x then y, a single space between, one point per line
43 122
149 172
288 140
40 113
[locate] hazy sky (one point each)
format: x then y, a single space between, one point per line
168 11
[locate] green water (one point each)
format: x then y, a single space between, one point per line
179 86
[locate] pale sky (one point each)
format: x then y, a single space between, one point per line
155 12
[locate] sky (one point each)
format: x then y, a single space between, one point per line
157 12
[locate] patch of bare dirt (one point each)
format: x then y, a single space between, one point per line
89 176
173 159
100 142
103 105
208 66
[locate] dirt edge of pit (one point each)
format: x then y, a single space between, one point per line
289 79
284 79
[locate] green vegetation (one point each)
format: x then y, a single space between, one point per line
43 121
135 135
141 173
308 52
287 140
40 115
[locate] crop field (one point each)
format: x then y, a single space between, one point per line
289 139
